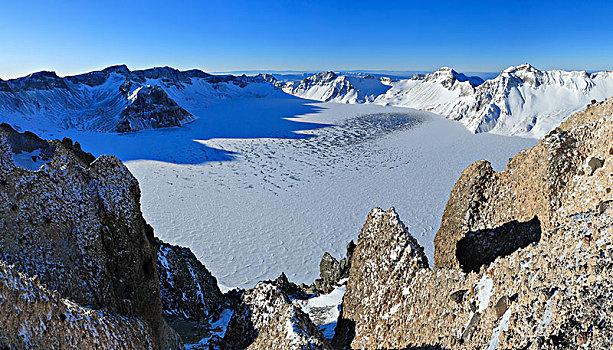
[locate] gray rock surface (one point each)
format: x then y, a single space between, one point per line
149 107
550 181
76 224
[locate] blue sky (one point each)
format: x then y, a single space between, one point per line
71 37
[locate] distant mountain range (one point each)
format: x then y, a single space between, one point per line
521 100
116 99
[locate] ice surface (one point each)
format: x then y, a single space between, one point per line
252 198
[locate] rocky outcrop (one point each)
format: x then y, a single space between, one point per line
551 295
191 298
266 318
332 271
34 317
75 222
568 172
523 259
385 255
149 107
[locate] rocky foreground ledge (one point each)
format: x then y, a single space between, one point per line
523 259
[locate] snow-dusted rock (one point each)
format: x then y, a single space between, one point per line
149 107
267 318
552 293
76 223
191 300
552 180
34 317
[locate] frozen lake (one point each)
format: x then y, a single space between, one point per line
256 187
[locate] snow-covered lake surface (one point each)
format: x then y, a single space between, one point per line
256 187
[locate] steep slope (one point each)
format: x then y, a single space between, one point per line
117 99
32 316
568 172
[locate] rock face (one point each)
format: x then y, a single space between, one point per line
556 178
385 254
523 259
266 318
190 295
149 107
552 295
31 316
76 223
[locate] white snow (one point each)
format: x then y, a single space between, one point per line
484 292
521 100
252 198
326 307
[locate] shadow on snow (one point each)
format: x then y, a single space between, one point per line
238 119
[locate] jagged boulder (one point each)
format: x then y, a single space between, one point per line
556 294
266 318
332 271
385 257
76 223
569 171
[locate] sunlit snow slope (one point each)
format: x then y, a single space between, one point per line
521 100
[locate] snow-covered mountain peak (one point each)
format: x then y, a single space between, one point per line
446 76
525 67
118 99
330 86
43 80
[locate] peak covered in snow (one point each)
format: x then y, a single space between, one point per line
117 99
330 86
520 100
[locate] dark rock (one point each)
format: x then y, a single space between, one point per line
151 108
595 163
502 305
77 224
332 271
188 289
458 295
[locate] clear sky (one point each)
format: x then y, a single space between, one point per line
72 37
